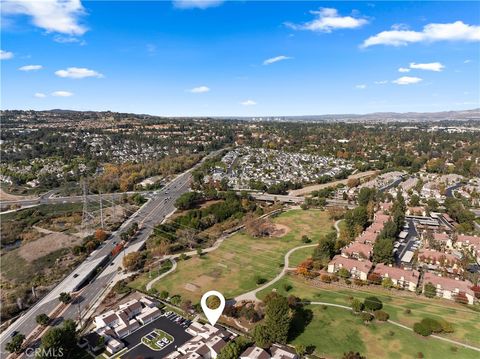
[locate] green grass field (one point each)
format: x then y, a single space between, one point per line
334 331
236 265
466 321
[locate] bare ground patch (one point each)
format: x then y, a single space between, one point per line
45 245
280 230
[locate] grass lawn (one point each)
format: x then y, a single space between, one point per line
466 322
151 339
334 331
235 266
300 255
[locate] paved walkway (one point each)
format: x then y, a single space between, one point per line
152 282
252 295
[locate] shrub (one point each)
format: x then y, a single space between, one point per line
373 303
432 324
408 311
366 317
447 327
381 315
419 328
429 290
343 273
348 281
357 306
287 287
375 278
419 355
325 278
260 280
305 239
358 282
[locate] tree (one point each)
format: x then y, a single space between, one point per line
277 319
353 355
343 273
132 261
372 303
429 290
325 249
60 340
357 306
42 319
421 329
100 235
65 297
261 336
15 345
301 350
387 283
305 239
163 294
381 315
230 351
382 251
188 200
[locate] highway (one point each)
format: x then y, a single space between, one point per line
150 214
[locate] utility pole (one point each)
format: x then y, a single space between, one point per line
101 211
86 215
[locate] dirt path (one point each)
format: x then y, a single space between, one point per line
4 196
316 187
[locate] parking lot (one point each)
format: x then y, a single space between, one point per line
170 323
411 242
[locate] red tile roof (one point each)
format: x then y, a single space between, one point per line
397 273
448 283
348 263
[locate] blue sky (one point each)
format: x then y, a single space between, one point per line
240 58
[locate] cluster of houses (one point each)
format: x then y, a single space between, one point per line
244 164
207 342
440 268
114 325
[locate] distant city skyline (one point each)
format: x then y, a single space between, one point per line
232 58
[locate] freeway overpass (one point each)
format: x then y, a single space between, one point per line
295 199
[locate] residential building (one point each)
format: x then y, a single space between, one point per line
357 269
449 288
401 278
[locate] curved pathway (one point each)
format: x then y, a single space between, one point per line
399 325
152 282
337 228
252 295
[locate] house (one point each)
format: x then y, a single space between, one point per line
113 346
368 236
402 278
358 250
148 315
436 259
207 342
282 352
416 211
254 352
107 319
357 269
470 243
449 288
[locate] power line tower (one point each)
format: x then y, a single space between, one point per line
87 216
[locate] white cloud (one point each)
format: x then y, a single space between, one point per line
62 94
455 31
432 66
77 73
403 69
30 67
40 95
407 80
276 59
196 4
361 86
382 82
5 55
248 103
60 16
327 20
200 89
69 40
467 61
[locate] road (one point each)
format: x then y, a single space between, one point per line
150 214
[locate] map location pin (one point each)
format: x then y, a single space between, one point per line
212 314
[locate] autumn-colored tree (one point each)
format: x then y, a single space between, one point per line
100 235
132 261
